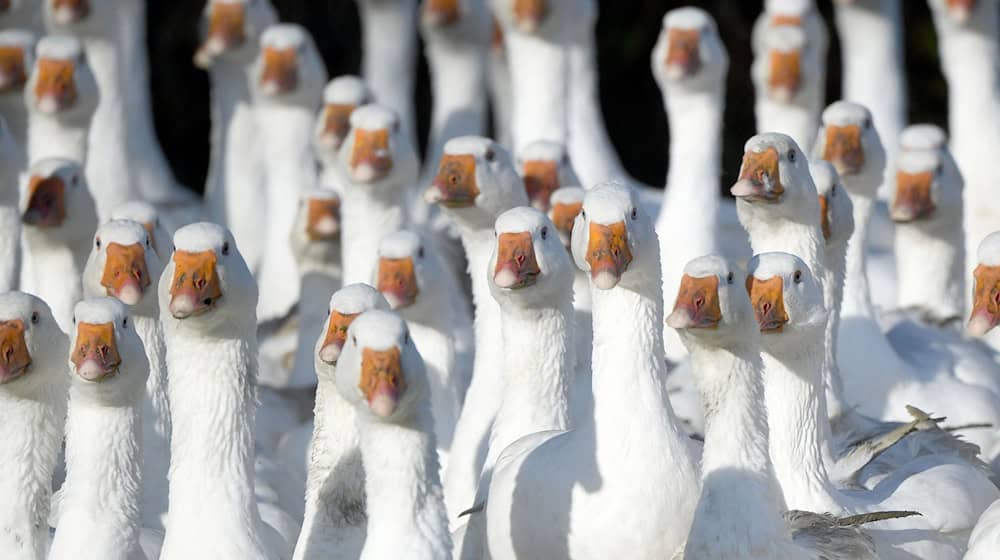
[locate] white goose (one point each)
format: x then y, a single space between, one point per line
59 219
100 501
11 159
985 538
123 264
567 202
341 97
17 55
210 296
388 62
498 81
380 373
288 78
336 515
544 167
33 389
146 215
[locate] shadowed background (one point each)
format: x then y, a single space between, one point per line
630 100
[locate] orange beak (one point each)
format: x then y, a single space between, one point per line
563 215
370 157
913 199
760 177
382 380
225 31
530 14
95 355
441 12
12 74
336 334
843 148
281 71
55 90
786 75
336 124
824 216
985 300
497 35
961 10
455 184
397 281
683 58
46 202
70 11
768 301
697 305
125 275
14 356
784 19
516 265
323 219
541 179
608 254
195 287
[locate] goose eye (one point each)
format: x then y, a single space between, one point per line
867 123
147 241
125 323
225 248
729 278
34 318
634 213
420 252
74 319
833 190
545 232
565 159
354 340
97 242
75 180
940 169
791 155
395 126
406 338
583 214
490 155
797 277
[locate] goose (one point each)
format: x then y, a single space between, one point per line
315 242
148 217
11 158
476 182
715 320
61 96
59 219
545 166
388 57
33 389
234 192
17 54
100 501
602 473
336 514
788 305
288 78
566 204
498 81
122 265
341 97
209 297
985 538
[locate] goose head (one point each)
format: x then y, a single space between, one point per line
376 152
958 13
529 266
476 181
32 347
149 217
712 304
544 167
231 29
123 265
537 17
56 202
614 240
17 57
455 22
412 276
380 371
928 193
835 208
316 232
61 84
986 293
341 97
206 285
83 18
288 69
929 138
787 300
345 306
848 139
567 202
784 69
689 55
107 362
774 180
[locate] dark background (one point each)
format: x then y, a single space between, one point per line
630 99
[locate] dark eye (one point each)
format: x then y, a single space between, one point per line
565 159
634 213
75 181
583 214
97 242
34 318
173 248
545 232
940 169
833 190
225 248
867 123
74 319
125 323
420 252
354 340
797 277
729 278
490 155
406 338
395 126
791 155
147 241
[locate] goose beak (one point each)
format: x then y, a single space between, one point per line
14 356
786 75
697 305
563 215
455 184
824 216
608 254
280 73
323 219
12 74
66 12
961 10
516 265
225 32
760 177
336 124
788 19
195 286
55 90
441 12
125 274
541 179
530 14
46 202
683 57
397 281
843 148
370 157
913 199
768 301
95 355
382 380
985 300
336 334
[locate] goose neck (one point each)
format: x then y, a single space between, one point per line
800 120
372 212
769 233
56 275
50 138
594 157
833 293
930 268
333 436
156 425
233 136
695 147
389 40
857 295
538 113
458 85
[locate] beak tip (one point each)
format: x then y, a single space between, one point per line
679 319
505 278
329 354
605 280
383 404
978 326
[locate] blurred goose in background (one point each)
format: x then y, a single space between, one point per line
389 57
498 80
17 56
545 166
341 97
22 14
11 159
567 203
148 217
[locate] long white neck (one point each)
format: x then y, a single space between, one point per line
800 121
315 288
32 430
594 157
156 423
99 510
458 83
405 503
501 98
233 160
10 247
50 138
56 273
930 267
802 239
833 294
539 112
388 62
857 294
368 217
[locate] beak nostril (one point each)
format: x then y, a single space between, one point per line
766 307
699 302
